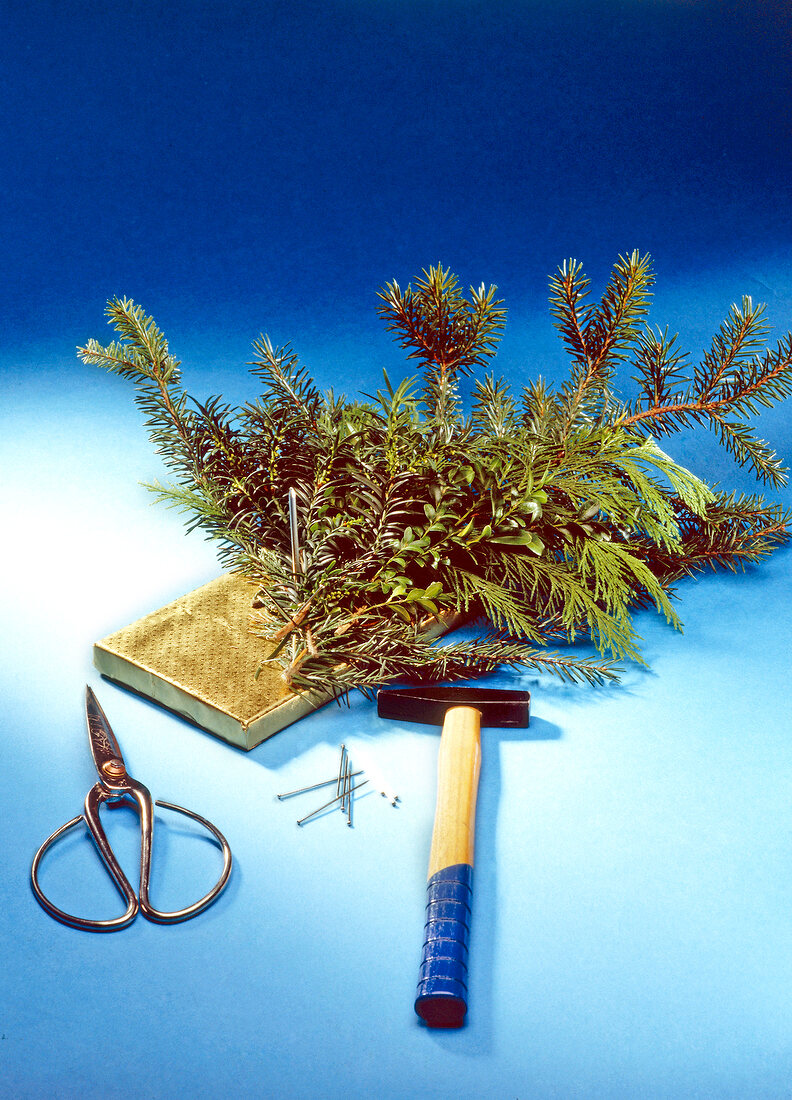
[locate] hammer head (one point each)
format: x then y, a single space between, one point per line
429 704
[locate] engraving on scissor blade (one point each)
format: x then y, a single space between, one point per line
104 746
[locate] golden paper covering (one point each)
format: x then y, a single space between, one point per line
196 657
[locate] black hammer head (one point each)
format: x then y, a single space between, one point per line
429 704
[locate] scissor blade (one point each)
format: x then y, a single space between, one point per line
104 747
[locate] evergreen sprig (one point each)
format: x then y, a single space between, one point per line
548 517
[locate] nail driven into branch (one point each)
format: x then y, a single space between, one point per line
295 560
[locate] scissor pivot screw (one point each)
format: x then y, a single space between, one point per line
114 769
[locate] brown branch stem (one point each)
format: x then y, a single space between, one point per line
710 407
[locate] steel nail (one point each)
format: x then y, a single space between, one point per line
330 803
349 794
341 766
345 799
294 539
313 787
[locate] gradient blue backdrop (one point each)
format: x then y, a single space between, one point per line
246 167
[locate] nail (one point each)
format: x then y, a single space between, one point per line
295 551
345 799
294 537
341 765
313 787
349 795
330 803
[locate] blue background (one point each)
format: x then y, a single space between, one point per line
247 167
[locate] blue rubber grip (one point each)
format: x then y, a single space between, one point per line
441 1000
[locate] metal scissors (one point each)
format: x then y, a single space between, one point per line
116 785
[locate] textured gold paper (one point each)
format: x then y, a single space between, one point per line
196 656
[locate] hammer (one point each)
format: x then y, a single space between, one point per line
441 999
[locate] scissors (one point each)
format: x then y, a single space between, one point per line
116 785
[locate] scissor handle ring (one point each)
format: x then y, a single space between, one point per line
133 905
111 925
198 906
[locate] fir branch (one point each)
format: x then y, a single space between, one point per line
551 517
597 336
737 530
288 387
733 380
144 358
494 410
449 335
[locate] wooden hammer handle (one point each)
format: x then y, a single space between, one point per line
458 766
442 988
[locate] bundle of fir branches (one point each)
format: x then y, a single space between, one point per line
545 516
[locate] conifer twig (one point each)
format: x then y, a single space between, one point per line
549 518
